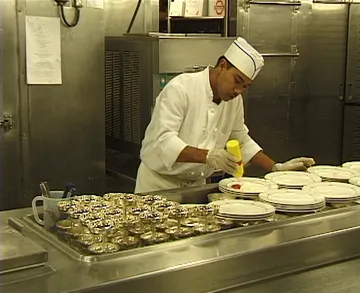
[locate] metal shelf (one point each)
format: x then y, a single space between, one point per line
168 19
196 17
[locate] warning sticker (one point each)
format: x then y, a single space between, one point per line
219 7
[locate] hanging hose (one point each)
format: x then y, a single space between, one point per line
76 19
134 16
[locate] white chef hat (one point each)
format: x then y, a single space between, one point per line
245 58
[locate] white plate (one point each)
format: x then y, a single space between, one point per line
300 211
240 195
239 207
292 178
334 190
247 220
242 217
355 181
248 185
354 166
303 207
332 172
291 197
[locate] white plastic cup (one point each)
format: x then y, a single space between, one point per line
51 211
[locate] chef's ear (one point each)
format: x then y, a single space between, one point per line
223 64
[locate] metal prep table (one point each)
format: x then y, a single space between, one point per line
314 253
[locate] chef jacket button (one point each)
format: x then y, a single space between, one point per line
192 173
212 110
215 129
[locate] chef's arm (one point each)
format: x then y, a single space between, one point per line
262 160
192 155
171 110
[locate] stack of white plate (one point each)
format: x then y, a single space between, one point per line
355 181
354 166
332 173
335 192
243 210
293 200
245 187
292 179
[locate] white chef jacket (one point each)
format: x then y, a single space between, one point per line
185 115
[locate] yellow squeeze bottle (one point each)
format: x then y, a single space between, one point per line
233 147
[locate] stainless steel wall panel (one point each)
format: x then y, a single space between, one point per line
268 104
268 111
351 141
351 137
242 20
118 13
300 74
59 133
352 86
11 145
327 63
299 87
302 114
328 48
151 16
172 52
67 121
278 26
273 80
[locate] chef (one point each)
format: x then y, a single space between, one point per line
194 116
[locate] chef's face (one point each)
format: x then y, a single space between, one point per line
231 82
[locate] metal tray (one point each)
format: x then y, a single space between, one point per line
18 252
27 224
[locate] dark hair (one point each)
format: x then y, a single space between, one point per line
228 64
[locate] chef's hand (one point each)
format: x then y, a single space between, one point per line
221 159
297 164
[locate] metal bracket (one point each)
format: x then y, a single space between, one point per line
7 123
293 55
289 3
332 2
341 92
248 3
349 93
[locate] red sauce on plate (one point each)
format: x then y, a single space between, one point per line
236 186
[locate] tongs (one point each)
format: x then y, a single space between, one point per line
45 189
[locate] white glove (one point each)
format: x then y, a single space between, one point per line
297 164
221 159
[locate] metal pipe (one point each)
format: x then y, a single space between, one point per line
24 103
168 19
226 18
133 17
280 55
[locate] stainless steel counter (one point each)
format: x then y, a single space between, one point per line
268 258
